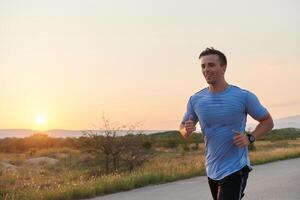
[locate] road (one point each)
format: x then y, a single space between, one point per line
273 181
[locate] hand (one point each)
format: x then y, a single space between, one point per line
190 126
240 139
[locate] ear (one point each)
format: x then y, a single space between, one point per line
224 68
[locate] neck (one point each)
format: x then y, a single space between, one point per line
218 87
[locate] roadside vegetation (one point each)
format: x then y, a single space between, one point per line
103 162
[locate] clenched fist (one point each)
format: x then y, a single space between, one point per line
189 127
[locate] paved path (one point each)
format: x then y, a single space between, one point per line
274 181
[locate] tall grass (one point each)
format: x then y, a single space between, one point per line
62 182
262 157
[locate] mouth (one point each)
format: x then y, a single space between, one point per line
208 76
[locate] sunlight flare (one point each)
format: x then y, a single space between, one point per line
40 119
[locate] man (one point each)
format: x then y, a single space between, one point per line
221 109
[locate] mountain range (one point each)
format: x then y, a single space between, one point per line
287 122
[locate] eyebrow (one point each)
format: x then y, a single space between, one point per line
207 63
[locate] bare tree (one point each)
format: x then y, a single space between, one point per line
119 145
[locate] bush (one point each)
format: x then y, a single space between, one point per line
147 145
185 147
170 143
251 147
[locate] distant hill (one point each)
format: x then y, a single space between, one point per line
19 133
286 122
165 134
64 133
175 135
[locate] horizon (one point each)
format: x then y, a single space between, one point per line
61 129
66 63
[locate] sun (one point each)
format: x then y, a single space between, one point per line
40 119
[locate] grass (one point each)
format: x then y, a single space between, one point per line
267 151
64 181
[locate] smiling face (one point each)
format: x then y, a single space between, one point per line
212 70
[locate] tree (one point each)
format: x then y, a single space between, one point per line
119 145
134 154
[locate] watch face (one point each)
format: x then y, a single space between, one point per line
251 138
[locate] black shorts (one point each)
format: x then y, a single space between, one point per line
231 187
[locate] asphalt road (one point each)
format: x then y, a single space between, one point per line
273 181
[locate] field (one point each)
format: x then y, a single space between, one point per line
77 175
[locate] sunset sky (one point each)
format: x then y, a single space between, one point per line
63 63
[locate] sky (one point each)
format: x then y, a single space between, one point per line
66 63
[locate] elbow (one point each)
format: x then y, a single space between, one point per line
271 124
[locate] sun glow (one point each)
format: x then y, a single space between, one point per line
40 119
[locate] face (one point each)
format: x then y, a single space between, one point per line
212 70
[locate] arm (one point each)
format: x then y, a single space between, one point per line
189 121
183 131
187 128
265 125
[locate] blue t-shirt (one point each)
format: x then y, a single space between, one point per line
219 114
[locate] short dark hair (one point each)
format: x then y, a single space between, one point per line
211 50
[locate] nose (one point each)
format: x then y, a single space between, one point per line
205 69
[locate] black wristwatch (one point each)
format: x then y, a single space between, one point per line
251 138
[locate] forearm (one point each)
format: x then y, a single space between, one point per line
182 130
263 127
187 127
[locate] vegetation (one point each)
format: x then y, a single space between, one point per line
132 161
283 134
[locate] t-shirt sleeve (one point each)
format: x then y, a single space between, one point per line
254 107
189 112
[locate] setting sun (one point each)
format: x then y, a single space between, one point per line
40 119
